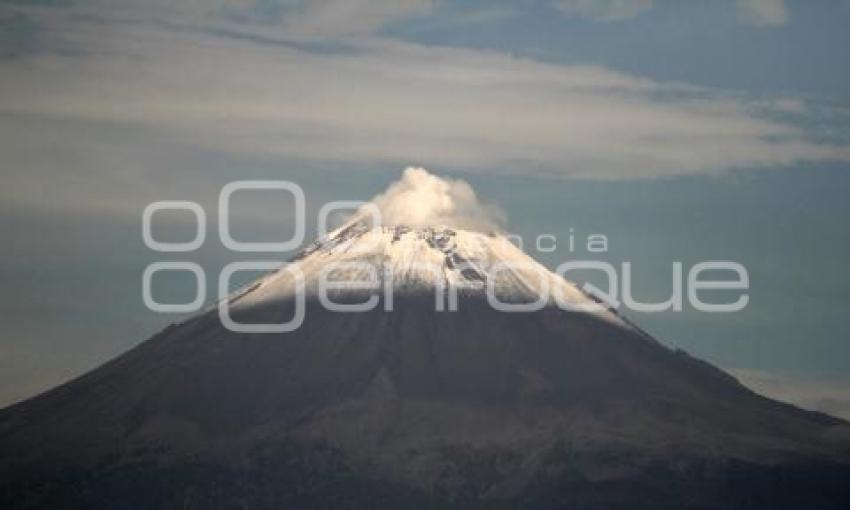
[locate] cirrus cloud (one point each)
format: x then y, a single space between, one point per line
603 10
191 86
762 13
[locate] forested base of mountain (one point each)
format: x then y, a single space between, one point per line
297 476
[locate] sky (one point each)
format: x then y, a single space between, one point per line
683 131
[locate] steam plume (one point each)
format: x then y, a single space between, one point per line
422 199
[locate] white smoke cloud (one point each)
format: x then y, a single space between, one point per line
422 199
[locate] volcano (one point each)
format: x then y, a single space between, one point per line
415 405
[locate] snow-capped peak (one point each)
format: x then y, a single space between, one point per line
403 260
428 235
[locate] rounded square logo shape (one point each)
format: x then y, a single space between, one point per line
200 289
243 246
174 205
259 265
351 205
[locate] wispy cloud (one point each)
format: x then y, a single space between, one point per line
317 19
770 13
379 100
603 10
118 94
